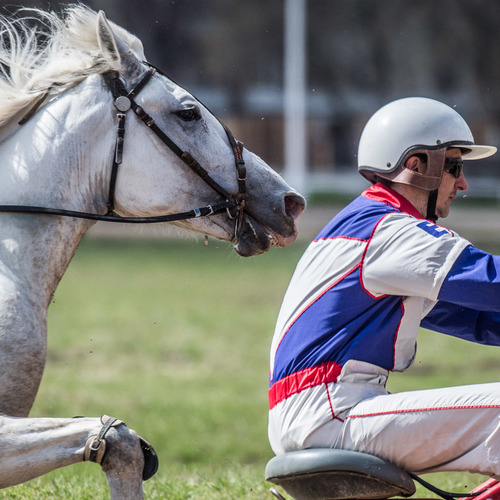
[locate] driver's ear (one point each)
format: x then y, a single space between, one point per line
415 164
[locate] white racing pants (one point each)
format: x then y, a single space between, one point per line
448 429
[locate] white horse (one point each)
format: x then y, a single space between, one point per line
68 159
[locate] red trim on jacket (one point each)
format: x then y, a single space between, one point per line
303 379
384 194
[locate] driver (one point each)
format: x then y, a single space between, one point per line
377 272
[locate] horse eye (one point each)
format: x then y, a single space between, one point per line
189 114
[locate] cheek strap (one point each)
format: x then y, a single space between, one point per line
431 206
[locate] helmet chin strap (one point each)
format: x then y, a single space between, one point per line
431 206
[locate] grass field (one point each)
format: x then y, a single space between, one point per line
173 338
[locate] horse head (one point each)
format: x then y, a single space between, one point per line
153 177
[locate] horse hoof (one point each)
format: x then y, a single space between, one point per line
150 460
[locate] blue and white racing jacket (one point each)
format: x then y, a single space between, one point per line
375 274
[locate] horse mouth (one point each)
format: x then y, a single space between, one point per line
255 238
278 240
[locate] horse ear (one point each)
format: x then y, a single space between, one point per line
114 46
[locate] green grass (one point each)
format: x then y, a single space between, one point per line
173 338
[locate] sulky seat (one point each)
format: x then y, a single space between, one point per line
328 474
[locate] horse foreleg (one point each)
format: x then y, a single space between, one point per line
31 447
123 460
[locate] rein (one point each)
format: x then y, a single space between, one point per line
234 205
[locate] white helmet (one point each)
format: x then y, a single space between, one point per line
412 125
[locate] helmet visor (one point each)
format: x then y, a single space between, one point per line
475 151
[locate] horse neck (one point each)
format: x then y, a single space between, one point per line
60 159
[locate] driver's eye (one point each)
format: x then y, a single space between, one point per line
188 114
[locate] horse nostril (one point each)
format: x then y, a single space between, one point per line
295 205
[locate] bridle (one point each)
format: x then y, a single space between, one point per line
124 101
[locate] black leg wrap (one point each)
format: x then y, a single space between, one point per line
95 448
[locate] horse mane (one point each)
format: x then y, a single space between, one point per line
45 53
